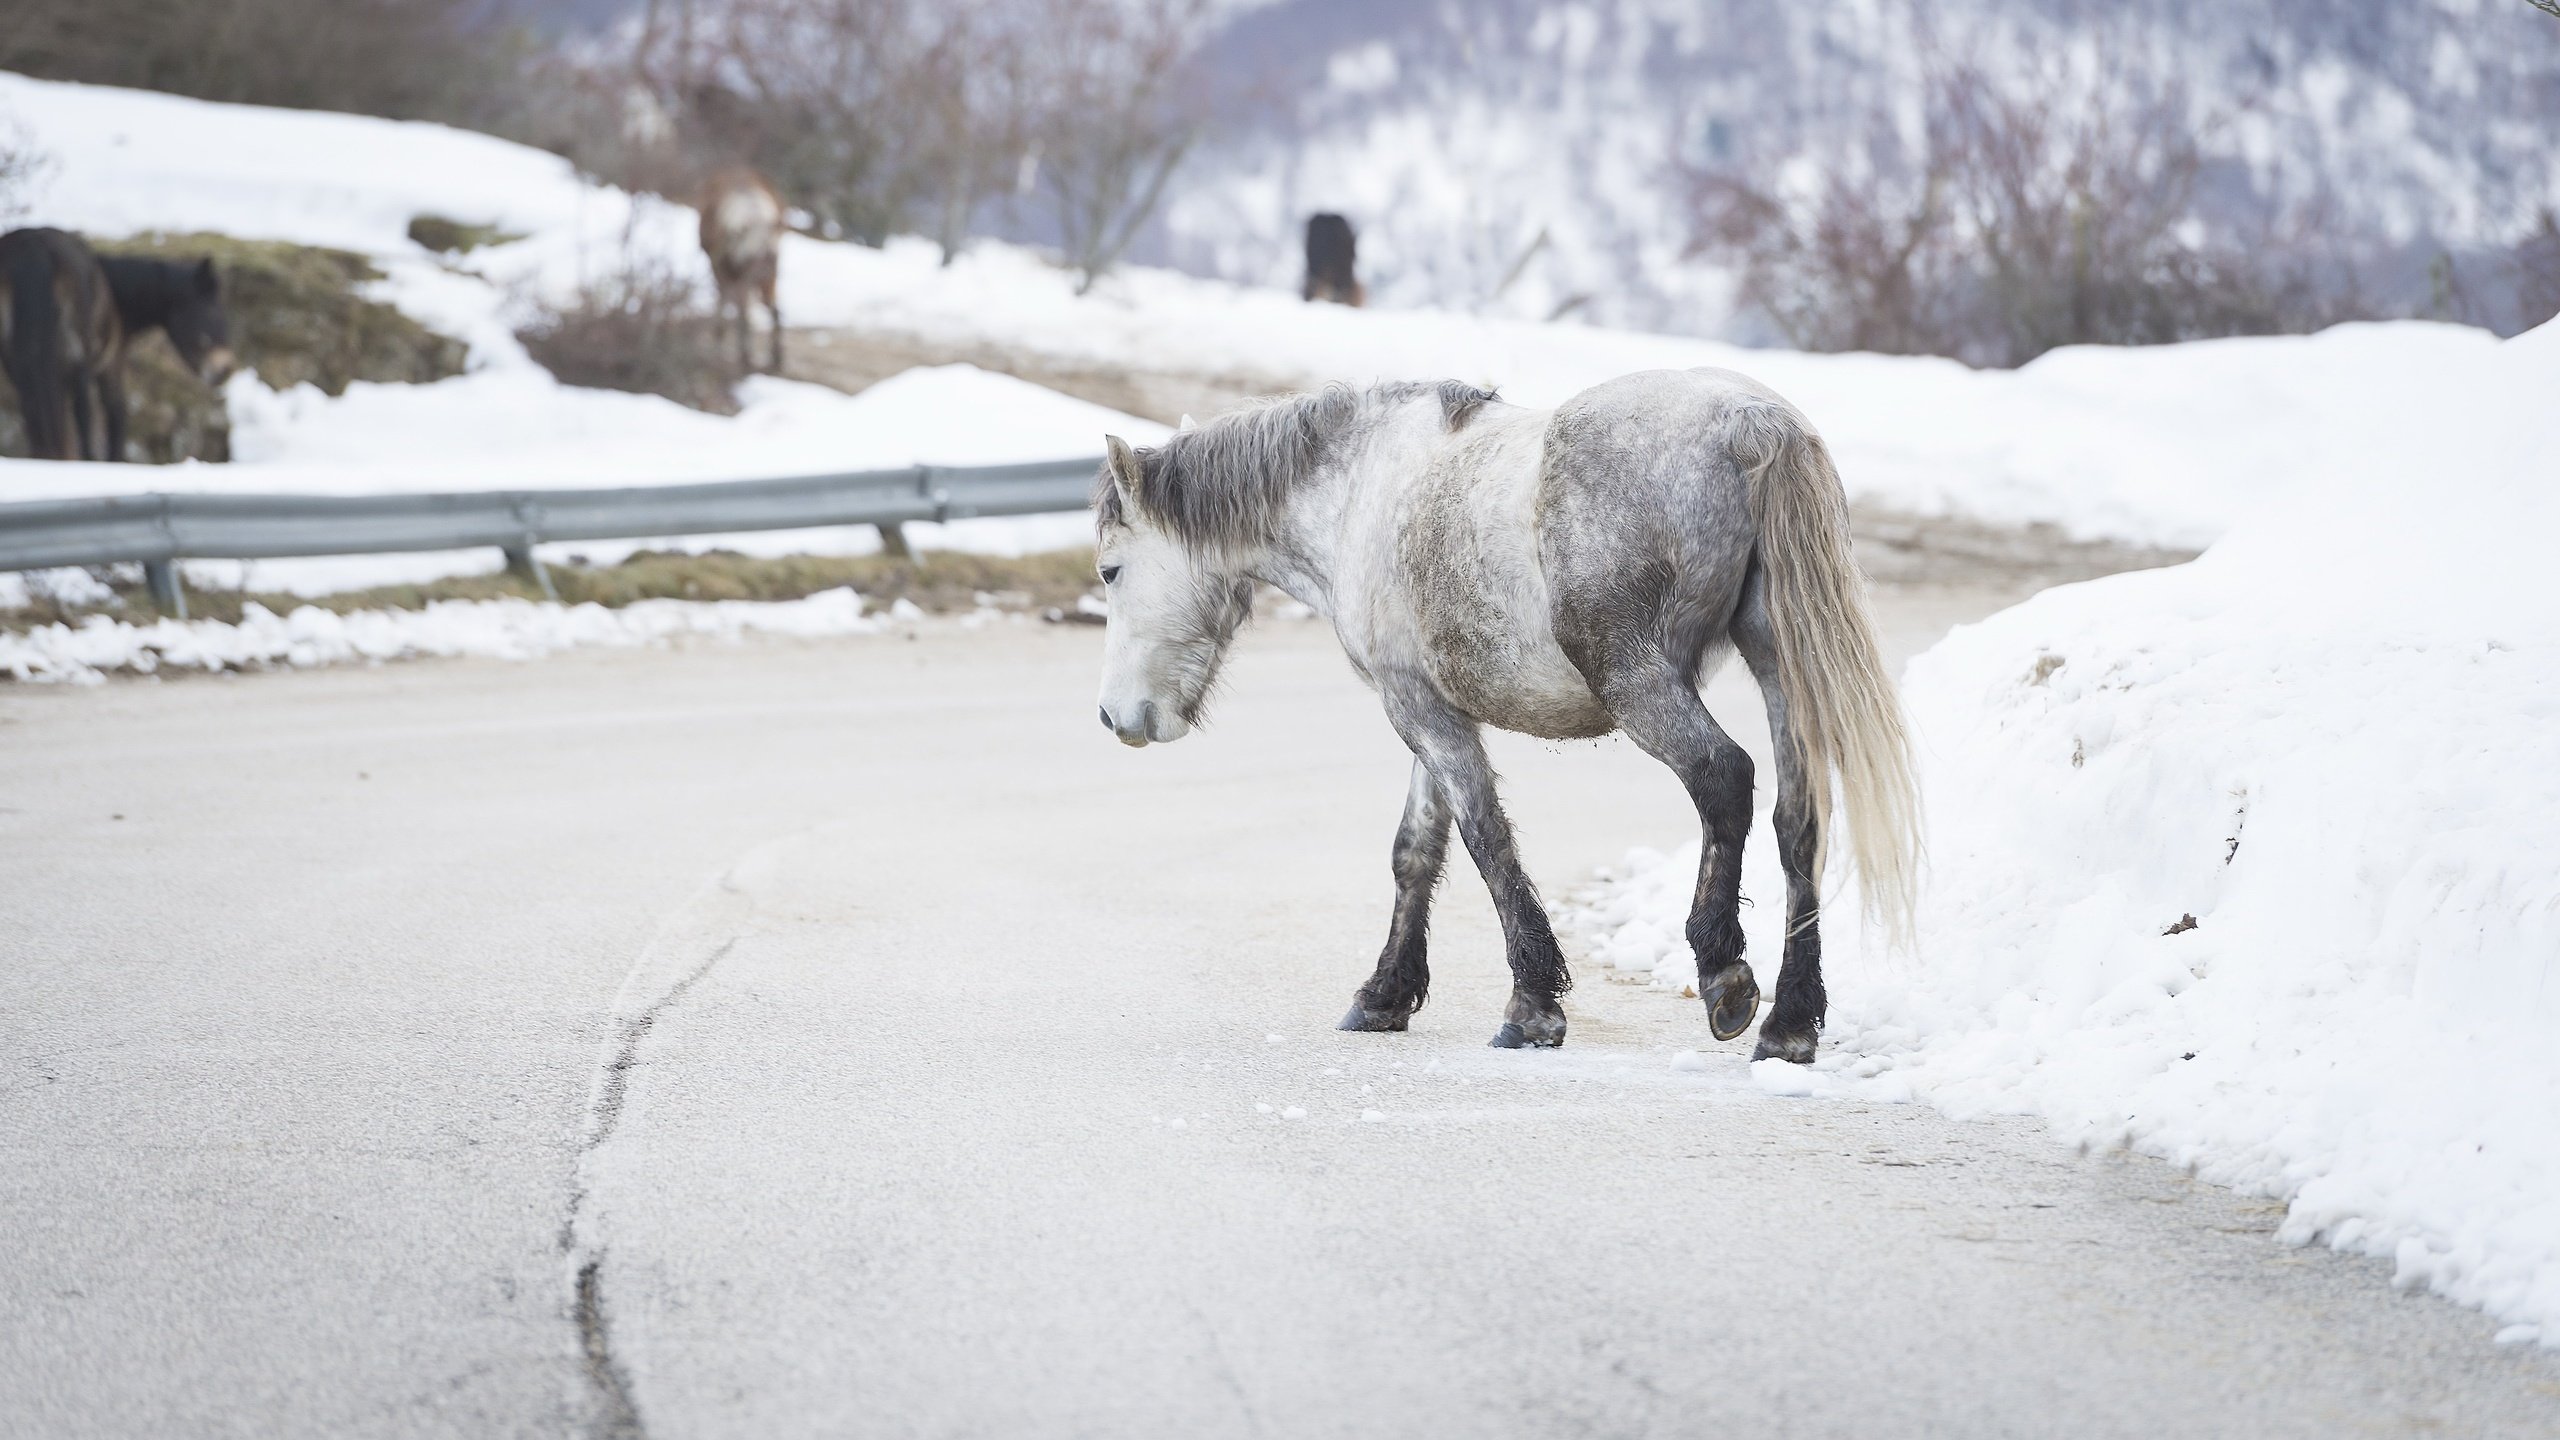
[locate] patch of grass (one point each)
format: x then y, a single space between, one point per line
456 237
940 583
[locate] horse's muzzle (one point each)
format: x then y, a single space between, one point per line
1143 723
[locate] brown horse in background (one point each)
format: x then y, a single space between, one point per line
67 318
743 220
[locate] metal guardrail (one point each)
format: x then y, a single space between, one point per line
159 529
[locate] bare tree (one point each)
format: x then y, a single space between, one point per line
2044 209
1120 103
2547 7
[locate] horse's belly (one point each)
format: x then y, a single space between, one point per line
1493 653
1531 698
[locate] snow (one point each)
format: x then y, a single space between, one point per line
494 629
2246 863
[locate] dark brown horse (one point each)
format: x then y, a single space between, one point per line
67 317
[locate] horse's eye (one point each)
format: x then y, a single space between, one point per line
1110 573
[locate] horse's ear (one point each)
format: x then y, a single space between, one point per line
207 282
1126 472
1190 424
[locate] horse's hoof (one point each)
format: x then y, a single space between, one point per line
1374 1021
1527 1025
1793 1046
1732 999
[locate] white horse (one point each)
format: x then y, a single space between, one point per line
1561 573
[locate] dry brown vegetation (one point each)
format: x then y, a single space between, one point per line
409 59
639 327
941 583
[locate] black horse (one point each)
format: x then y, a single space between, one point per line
67 317
1333 261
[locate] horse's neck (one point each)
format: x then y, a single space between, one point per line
142 294
1306 557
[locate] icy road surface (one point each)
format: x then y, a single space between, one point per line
847 1038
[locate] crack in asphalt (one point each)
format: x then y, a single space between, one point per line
613 1413
617 1417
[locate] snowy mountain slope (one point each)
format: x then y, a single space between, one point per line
1456 135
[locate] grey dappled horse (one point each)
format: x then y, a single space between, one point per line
1560 573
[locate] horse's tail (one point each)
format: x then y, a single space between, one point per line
36 344
1840 702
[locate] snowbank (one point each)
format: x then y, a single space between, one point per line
2249 863
2163 446
496 629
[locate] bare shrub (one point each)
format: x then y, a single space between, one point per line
2023 214
642 328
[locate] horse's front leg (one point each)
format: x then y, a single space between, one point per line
1403 976
1448 745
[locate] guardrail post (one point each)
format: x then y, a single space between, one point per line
522 561
893 540
166 590
520 556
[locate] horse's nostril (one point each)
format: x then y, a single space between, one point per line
1147 719
1106 719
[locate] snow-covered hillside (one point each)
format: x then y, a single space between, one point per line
1455 135
2161 446
123 162
2246 863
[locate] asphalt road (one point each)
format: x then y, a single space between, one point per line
849 1039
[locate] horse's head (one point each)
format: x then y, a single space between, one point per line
198 327
1175 606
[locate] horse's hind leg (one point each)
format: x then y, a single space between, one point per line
1448 746
1795 1021
1656 702
88 418
1403 975
118 411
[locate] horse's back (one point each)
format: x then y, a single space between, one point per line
742 219
1644 512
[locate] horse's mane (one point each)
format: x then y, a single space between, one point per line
1224 484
